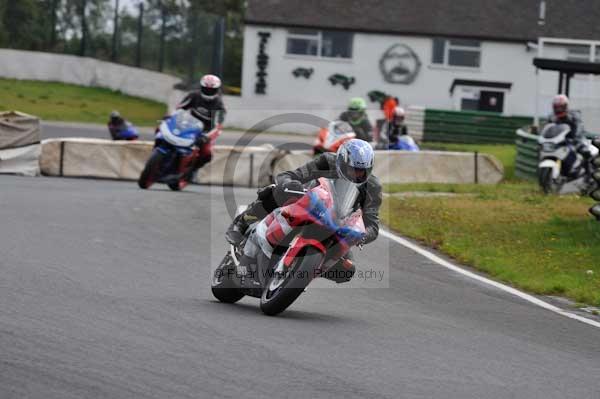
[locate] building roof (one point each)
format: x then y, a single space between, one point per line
503 20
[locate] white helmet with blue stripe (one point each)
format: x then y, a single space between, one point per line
354 161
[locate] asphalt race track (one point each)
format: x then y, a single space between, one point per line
104 293
60 129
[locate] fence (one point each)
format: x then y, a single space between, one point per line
471 127
527 158
176 38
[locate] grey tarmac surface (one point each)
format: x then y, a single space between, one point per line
104 293
63 129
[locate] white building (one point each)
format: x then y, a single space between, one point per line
455 55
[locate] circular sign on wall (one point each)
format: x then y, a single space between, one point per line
400 64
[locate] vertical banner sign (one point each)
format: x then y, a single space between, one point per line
262 61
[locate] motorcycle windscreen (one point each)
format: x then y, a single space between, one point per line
344 195
186 123
552 130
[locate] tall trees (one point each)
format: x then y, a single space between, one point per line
178 35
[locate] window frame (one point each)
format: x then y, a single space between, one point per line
448 46
319 38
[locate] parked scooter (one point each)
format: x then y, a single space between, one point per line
330 138
175 153
562 169
298 243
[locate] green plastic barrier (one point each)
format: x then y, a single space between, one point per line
471 127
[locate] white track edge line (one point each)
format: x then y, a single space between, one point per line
529 298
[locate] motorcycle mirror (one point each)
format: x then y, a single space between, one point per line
595 195
595 210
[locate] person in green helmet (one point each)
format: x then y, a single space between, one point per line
357 117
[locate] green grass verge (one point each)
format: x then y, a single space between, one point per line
542 244
63 102
506 153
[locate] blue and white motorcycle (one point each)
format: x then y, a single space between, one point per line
177 151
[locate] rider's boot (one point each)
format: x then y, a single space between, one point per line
237 230
342 271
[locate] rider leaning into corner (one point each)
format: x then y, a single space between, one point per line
207 105
562 114
353 162
356 116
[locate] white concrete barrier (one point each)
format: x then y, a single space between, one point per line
78 157
21 161
420 167
83 71
19 143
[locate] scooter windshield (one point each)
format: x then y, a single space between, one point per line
554 130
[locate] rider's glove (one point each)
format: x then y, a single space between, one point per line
280 194
201 140
292 185
585 153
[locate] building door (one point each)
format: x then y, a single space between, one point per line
491 101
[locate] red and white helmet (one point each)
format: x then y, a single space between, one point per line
210 86
560 105
399 114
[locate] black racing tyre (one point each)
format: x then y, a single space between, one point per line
222 285
281 291
547 182
174 186
151 170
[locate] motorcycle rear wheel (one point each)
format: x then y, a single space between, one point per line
281 291
222 286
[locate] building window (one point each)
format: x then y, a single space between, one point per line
456 52
314 43
582 53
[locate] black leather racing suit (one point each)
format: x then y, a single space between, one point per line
574 121
362 127
211 112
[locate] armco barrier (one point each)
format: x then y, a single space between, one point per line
420 167
74 157
527 158
471 127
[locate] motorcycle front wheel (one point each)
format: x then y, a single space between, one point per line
222 285
282 289
151 170
548 184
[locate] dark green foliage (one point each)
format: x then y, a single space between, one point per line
179 33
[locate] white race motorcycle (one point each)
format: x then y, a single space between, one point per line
562 169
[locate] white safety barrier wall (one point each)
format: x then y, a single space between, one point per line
420 167
256 166
19 143
83 71
73 157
